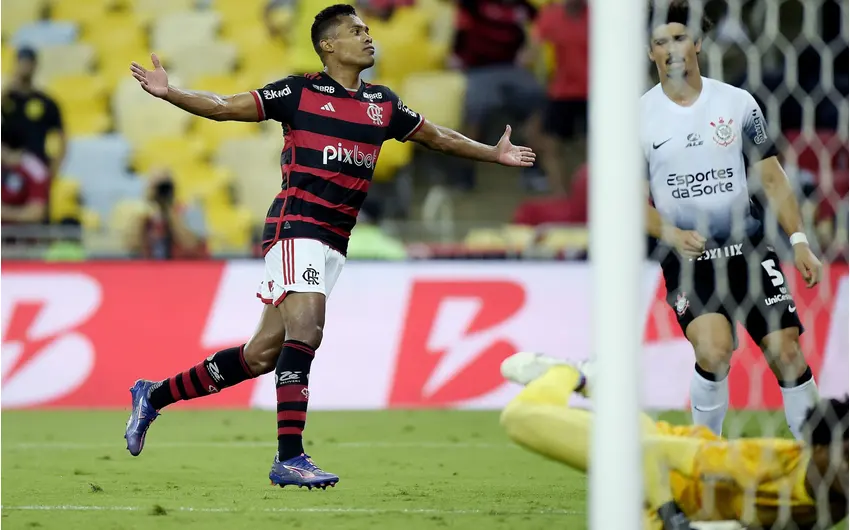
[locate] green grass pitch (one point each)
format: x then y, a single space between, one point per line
208 469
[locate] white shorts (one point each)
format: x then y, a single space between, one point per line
299 266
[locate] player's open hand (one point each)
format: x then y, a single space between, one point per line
808 264
155 82
508 154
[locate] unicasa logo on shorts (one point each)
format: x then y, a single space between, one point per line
349 156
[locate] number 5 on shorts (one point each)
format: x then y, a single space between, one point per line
775 275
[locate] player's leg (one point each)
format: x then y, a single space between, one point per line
707 326
776 329
310 269
220 370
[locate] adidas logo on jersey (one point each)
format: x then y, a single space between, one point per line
328 107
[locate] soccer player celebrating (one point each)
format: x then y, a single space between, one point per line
333 128
698 134
691 474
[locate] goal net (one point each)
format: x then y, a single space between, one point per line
791 55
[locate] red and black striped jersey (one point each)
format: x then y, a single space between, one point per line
332 139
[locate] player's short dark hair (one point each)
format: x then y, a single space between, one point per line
826 422
326 21
677 11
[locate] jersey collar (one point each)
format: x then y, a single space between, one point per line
353 94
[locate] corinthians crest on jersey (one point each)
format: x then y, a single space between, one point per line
724 134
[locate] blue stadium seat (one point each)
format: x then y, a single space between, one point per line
96 158
102 195
45 33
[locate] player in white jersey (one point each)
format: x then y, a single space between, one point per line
699 136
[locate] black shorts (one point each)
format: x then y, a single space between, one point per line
565 118
743 282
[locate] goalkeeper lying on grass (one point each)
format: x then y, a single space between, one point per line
690 474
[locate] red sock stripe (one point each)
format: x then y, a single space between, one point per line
292 393
283 431
300 347
204 377
188 386
172 386
244 363
292 415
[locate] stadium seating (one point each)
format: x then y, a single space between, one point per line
81 12
64 199
83 102
192 61
436 95
17 13
45 33
256 168
147 11
167 151
68 59
170 33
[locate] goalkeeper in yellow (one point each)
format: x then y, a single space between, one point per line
691 475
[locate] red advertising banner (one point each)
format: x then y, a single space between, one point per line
433 333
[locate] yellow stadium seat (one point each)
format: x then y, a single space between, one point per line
485 239
114 66
229 229
559 239
125 218
255 165
90 220
216 58
394 155
88 90
240 10
80 121
436 95
16 13
9 59
114 30
58 61
142 122
77 11
213 133
227 84
249 36
178 30
167 151
147 11
199 180
64 199
519 237
401 56
275 61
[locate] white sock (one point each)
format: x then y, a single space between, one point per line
709 402
798 400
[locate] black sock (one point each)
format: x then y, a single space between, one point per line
219 370
292 376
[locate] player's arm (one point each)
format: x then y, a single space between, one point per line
238 107
781 197
689 243
451 142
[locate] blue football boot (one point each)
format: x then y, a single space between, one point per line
300 471
141 416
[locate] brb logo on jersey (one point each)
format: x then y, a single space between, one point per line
349 156
710 182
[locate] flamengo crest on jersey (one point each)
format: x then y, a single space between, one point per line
696 157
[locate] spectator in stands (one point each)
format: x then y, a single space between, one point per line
369 242
489 36
25 180
569 210
167 230
831 217
563 147
33 114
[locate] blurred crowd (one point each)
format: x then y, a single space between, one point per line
92 167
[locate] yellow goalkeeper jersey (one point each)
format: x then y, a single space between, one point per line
750 480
